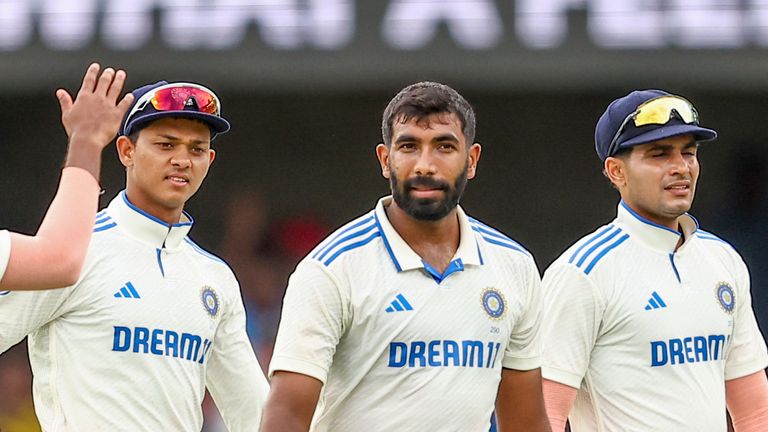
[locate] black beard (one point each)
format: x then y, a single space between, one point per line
428 209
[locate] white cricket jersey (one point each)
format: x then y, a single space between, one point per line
132 346
5 251
399 346
646 333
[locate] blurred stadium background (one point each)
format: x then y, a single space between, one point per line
304 83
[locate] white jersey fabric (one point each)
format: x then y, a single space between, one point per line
648 335
399 346
5 251
132 346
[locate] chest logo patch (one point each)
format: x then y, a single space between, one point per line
210 301
725 296
494 303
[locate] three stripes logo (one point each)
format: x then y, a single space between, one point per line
399 304
655 302
127 291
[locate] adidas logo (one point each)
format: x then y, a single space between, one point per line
127 291
655 302
399 304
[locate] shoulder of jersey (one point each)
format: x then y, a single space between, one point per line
712 241
348 240
104 223
497 241
204 255
596 248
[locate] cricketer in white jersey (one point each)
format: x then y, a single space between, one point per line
399 346
152 322
647 333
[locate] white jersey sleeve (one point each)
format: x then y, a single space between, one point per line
568 339
22 312
233 375
315 314
5 251
747 353
523 350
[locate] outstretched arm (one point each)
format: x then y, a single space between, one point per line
54 256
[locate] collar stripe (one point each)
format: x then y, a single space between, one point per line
386 243
646 221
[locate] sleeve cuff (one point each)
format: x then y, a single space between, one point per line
561 376
298 366
523 364
744 369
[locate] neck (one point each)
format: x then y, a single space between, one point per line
435 242
170 216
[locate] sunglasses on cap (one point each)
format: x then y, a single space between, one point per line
657 111
178 97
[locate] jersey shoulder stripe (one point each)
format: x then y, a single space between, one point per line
709 236
349 236
593 248
103 222
496 237
203 252
361 240
344 231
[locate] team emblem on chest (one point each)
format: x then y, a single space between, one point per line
210 300
725 296
494 303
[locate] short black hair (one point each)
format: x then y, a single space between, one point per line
423 99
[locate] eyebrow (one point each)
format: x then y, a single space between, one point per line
691 144
175 138
439 138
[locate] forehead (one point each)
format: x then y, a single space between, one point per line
430 124
181 128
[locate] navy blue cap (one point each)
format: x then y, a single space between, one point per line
218 124
618 111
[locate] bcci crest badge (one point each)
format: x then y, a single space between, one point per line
725 296
493 303
210 301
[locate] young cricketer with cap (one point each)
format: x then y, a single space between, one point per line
154 319
649 324
54 256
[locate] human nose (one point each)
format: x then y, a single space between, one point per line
425 164
181 160
680 164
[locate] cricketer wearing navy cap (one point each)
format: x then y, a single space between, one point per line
181 99
649 319
644 116
154 320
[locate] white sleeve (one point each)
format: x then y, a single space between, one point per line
233 374
5 251
524 349
23 312
747 352
573 312
312 322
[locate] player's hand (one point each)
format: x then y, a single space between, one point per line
95 115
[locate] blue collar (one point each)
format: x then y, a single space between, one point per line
404 258
146 228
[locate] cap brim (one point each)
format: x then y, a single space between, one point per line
699 134
218 125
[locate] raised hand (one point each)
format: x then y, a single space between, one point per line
94 117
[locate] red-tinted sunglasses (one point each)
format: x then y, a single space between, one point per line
178 97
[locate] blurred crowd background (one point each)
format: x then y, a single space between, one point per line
304 83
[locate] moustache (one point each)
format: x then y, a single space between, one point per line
425 182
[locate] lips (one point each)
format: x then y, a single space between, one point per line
681 187
178 179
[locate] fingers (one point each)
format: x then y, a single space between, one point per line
89 80
65 100
125 103
116 86
105 81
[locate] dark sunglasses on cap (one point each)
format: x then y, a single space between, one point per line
657 111
178 97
